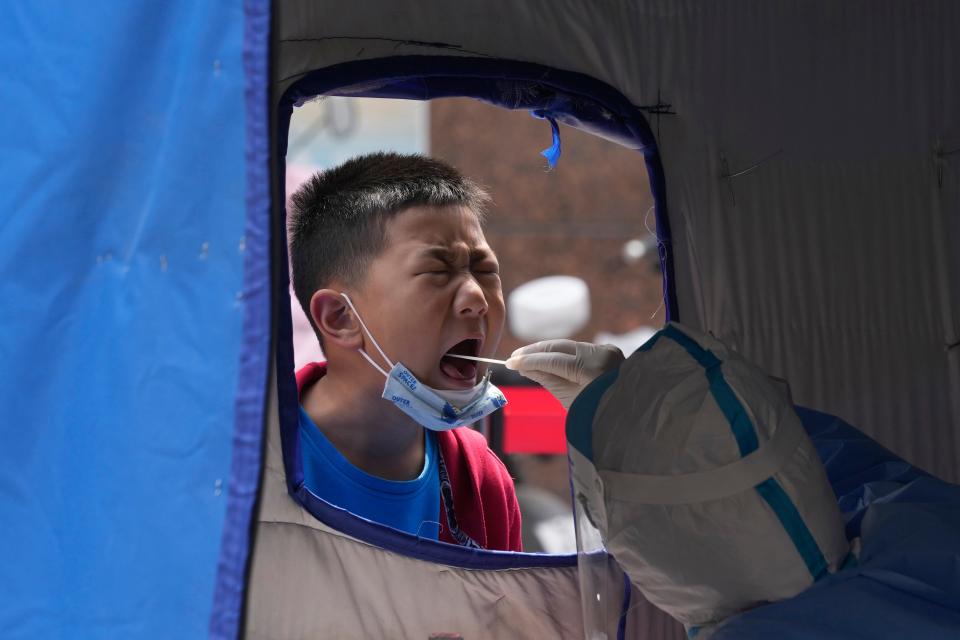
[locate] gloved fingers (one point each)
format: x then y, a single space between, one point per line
548 381
518 361
606 356
548 346
563 365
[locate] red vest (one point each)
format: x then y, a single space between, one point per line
484 500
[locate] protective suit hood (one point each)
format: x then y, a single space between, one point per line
696 471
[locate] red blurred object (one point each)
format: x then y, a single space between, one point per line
533 421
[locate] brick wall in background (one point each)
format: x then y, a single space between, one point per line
573 220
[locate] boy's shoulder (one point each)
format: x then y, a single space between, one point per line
310 373
484 495
471 446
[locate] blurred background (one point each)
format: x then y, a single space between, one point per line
577 253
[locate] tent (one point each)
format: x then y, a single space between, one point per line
805 162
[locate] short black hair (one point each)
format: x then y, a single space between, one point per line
338 217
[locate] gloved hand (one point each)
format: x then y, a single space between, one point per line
564 367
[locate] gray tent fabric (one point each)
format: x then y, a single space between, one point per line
308 580
810 165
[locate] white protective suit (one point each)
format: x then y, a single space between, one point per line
703 484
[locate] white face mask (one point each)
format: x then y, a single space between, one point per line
435 409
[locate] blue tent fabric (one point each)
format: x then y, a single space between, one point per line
251 389
906 583
122 251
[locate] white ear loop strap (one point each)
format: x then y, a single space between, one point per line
372 339
376 366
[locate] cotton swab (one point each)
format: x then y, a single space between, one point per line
478 359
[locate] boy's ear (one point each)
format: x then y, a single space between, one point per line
336 322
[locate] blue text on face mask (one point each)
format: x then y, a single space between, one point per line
407 378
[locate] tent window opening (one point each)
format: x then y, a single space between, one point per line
574 222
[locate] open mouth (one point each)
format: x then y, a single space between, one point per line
457 368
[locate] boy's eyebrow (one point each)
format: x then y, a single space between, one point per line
446 255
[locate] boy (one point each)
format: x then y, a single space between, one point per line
392 269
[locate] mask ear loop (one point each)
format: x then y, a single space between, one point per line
372 339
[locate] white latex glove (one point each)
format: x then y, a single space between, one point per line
564 367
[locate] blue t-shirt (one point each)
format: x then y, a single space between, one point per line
410 505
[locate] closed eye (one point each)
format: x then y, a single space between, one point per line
486 268
436 276
433 269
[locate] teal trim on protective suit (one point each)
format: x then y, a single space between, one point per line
778 500
582 411
743 430
746 436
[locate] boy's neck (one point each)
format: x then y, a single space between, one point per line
370 433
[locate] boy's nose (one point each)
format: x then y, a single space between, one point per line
470 300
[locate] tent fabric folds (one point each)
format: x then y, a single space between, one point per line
806 168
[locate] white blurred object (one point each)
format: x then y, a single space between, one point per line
633 250
326 132
627 342
557 534
636 248
548 308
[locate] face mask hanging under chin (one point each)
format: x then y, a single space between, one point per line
461 398
435 409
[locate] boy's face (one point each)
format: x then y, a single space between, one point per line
434 288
